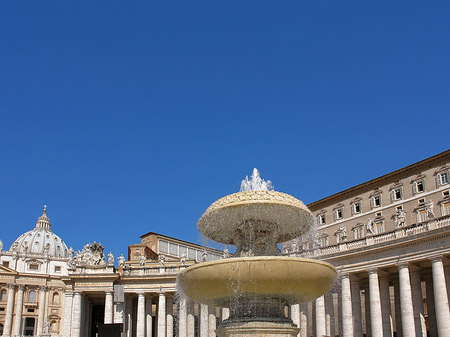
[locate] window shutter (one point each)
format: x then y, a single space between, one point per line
415 188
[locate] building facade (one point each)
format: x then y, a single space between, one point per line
389 238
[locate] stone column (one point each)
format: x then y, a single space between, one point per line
140 324
148 316
169 319
440 297
356 306
162 315
406 301
386 306
19 309
398 314
432 326
367 312
295 315
9 310
211 321
76 315
41 319
225 313
182 317
320 317
419 312
203 320
109 308
376 319
128 316
190 319
303 320
347 315
68 297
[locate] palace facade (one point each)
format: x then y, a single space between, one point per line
389 238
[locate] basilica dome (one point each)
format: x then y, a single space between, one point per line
41 240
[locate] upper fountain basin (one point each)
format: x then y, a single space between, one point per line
289 216
291 279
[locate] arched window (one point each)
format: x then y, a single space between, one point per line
3 294
55 299
32 296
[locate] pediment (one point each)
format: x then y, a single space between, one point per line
7 271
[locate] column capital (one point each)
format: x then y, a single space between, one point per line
436 258
43 288
20 287
11 285
372 271
402 264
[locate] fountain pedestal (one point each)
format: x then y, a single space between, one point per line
257 328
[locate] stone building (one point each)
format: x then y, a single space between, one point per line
31 286
389 238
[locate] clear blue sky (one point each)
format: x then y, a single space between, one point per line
130 117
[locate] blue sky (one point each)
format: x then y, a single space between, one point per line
130 117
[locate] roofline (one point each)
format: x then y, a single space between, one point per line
374 182
175 239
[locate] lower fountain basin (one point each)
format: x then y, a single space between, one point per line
289 279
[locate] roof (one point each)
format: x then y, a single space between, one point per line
371 184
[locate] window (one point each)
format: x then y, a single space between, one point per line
32 296
421 201
379 227
399 208
173 249
376 201
396 194
418 187
356 207
445 208
57 269
358 231
163 246
55 299
322 219
6 264
3 294
378 214
446 193
421 215
33 266
339 213
341 234
443 178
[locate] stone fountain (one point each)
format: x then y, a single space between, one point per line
257 282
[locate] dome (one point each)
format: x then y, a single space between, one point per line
41 240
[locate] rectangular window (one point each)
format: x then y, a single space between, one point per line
379 227
399 208
163 246
322 219
378 214
446 193
421 215
446 208
6 264
356 207
33 266
358 232
376 201
418 187
173 249
339 213
57 269
183 251
396 194
443 177
421 201
191 253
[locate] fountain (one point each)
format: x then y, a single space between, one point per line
257 282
